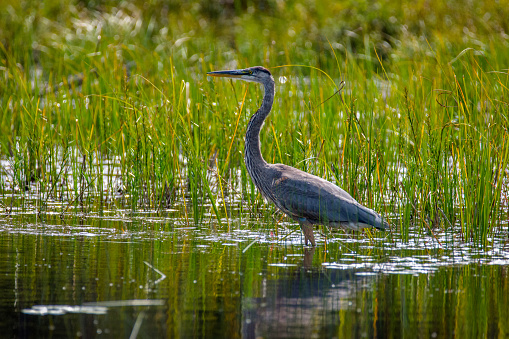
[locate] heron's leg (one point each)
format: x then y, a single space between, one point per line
308 257
307 229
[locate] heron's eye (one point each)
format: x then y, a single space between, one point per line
250 72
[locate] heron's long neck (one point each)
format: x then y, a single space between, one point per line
252 153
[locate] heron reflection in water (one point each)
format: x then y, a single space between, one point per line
304 197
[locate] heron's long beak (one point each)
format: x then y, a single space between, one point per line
229 74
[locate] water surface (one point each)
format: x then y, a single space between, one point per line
148 275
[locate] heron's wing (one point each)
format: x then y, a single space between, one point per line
302 195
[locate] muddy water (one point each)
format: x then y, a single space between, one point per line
150 276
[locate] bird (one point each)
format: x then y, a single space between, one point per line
305 198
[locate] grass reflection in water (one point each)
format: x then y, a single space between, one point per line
353 286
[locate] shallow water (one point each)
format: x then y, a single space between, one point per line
149 275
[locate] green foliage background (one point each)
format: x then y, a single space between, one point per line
95 90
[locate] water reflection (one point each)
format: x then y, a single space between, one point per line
304 303
117 277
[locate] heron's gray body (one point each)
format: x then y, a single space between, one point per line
304 197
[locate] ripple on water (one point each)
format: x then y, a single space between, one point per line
422 254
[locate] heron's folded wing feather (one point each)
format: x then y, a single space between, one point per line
302 195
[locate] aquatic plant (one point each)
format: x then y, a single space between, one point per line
109 108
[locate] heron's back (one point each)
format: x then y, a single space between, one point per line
305 196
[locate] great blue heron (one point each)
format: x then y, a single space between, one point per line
304 197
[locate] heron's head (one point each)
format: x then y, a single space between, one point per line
255 74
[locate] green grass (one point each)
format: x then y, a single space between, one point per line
420 132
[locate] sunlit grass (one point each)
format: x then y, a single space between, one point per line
112 109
